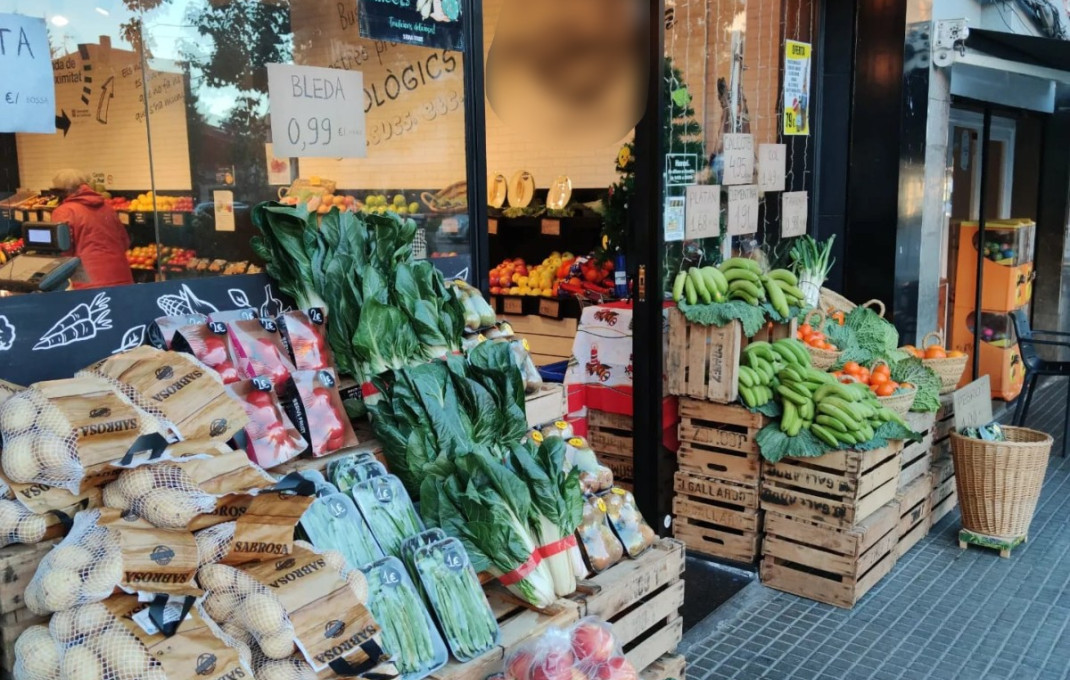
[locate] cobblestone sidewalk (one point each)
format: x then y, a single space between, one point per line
942 613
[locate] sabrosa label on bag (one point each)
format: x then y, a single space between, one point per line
265 530
156 560
330 623
194 652
41 498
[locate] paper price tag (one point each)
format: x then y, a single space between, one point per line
313 113
551 227
702 212
794 207
492 226
772 166
514 305
742 210
549 308
28 99
973 404
738 158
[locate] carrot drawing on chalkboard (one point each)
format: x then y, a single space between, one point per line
81 323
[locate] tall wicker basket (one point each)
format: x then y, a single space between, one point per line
999 483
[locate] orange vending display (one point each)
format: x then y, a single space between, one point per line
999 355
1007 269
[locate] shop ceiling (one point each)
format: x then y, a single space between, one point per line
1017 71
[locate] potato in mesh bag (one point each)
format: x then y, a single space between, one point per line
161 494
61 432
37 655
232 596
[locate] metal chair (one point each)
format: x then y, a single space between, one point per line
1036 367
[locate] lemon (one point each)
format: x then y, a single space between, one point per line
414 208
399 200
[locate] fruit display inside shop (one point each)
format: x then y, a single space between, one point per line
145 257
558 275
119 203
380 204
11 247
38 202
149 202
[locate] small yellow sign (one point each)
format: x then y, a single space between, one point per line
796 88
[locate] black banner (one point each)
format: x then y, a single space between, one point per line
426 23
51 335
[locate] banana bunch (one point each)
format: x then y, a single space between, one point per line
761 365
843 415
747 282
796 390
700 284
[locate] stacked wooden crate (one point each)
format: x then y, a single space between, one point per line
641 599
943 498
831 523
716 502
915 486
18 563
610 436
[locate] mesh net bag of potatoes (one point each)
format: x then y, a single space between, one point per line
309 602
31 513
173 495
177 389
118 640
71 433
105 551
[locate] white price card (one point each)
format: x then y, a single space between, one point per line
316 112
27 87
224 210
772 166
793 211
738 158
702 211
742 210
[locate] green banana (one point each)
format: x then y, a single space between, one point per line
783 275
835 389
731 275
740 295
790 358
777 298
741 263
811 385
823 434
760 348
807 411
749 287
788 374
748 396
791 396
747 377
797 427
850 423
678 286
802 357
714 274
792 290
854 410
800 389
689 290
831 423
700 285
789 417
813 374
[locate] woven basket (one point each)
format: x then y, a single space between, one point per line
821 359
833 301
899 403
998 483
949 370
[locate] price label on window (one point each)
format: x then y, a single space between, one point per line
772 166
738 158
702 211
742 210
316 112
794 206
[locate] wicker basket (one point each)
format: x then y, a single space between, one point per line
833 301
949 370
899 403
821 359
998 483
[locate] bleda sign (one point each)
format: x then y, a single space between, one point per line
27 91
427 23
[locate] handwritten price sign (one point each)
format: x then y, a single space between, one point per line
742 210
738 159
772 166
702 212
317 112
793 209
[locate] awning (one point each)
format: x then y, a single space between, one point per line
1017 71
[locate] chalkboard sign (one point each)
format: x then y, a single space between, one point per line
52 335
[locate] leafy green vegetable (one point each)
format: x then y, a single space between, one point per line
723 313
864 337
913 371
775 445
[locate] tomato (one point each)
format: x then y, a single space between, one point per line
864 375
935 352
886 389
852 368
877 378
806 329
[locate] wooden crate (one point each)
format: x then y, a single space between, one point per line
641 599
840 488
719 441
668 667
18 563
717 518
915 508
610 436
518 625
944 497
916 460
550 339
834 566
547 405
703 361
772 331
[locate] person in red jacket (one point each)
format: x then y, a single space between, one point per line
100 240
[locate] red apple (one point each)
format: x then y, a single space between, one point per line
592 643
617 668
519 667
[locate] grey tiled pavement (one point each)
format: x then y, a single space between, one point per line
942 613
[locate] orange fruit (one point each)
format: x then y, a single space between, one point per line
852 368
955 354
886 389
877 378
935 352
